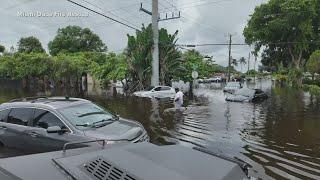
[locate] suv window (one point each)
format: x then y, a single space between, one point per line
45 119
20 116
165 88
157 89
4 114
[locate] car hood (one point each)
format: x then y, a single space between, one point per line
121 129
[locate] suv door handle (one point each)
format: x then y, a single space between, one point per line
33 134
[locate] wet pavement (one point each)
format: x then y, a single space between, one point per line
279 137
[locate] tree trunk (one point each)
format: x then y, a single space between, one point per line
296 60
191 90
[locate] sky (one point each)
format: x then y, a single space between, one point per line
201 22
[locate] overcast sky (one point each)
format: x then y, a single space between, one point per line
202 21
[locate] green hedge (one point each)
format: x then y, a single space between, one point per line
312 89
311 82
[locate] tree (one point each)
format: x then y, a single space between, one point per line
194 60
24 65
2 49
29 45
75 39
139 55
313 64
242 61
169 57
114 67
234 62
285 30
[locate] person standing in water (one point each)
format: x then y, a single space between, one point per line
178 99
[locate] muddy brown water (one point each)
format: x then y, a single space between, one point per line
279 137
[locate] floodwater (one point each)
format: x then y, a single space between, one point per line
279 137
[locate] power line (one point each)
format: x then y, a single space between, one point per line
129 26
244 44
189 5
196 22
108 12
214 2
190 19
171 3
120 8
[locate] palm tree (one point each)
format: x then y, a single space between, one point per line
139 56
234 62
242 61
169 56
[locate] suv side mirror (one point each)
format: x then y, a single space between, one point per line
54 129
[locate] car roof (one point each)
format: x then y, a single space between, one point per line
48 102
162 86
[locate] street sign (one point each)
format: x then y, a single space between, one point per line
195 74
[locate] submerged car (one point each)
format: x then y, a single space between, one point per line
247 95
215 79
232 87
46 124
125 161
158 92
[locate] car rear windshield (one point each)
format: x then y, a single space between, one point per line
86 114
233 84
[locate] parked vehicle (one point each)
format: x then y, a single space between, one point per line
125 161
46 124
232 87
215 79
158 92
247 95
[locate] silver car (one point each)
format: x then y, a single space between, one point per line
232 87
46 124
158 92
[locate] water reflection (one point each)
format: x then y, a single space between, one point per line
278 137
155 110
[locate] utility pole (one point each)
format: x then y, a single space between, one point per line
254 68
249 62
229 66
155 29
155 52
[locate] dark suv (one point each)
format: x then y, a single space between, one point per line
46 124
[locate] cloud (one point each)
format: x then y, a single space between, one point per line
203 21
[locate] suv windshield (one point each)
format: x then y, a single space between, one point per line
87 115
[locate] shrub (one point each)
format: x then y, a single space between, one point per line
312 89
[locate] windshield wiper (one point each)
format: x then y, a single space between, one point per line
83 125
91 113
110 120
103 120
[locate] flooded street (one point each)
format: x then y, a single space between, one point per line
278 137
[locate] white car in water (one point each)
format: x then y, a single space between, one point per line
158 92
232 87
